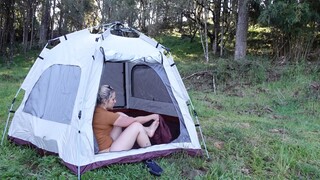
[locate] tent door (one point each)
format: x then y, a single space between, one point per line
113 74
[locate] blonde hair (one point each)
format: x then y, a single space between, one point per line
105 93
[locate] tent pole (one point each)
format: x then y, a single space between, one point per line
9 115
199 127
79 175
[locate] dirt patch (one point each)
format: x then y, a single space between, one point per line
256 109
244 125
199 81
274 116
192 173
8 77
211 104
219 145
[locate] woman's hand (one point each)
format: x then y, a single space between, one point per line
156 117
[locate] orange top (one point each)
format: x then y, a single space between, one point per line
103 121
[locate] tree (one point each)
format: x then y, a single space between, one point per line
7 31
217 26
294 26
43 36
242 30
119 10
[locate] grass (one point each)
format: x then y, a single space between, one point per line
261 123
268 130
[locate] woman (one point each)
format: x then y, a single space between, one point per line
107 125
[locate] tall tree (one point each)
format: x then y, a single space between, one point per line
242 30
27 11
120 10
7 32
294 24
143 15
53 18
216 21
45 24
205 47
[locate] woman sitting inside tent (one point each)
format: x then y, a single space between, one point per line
107 125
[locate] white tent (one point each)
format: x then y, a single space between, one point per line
61 89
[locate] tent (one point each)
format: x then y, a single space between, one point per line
60 90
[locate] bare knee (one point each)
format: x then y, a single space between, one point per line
136 125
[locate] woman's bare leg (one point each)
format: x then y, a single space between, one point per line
115 132
134 132
129 136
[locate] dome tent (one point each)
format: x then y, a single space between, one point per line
61 88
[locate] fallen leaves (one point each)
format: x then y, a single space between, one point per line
244 125
219 145
315 86
278 131
245 171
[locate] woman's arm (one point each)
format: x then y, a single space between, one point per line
124 120
144 119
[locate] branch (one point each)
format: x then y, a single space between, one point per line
197 74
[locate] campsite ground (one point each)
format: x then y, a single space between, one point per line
260 120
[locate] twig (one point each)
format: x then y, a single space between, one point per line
198 73
280 94
214 85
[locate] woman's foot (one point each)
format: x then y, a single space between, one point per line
152 128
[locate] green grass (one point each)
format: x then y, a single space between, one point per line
261 123
270 131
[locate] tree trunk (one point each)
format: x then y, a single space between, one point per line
53 19
217 16
11 30
61 17
32 16
242 30
26 28
206 30
2 31
101 10
44 23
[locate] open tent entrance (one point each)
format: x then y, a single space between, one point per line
142 90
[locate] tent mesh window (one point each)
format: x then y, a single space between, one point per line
148 85
53 95
113 75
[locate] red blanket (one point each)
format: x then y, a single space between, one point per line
162 134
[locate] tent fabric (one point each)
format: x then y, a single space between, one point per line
52 97
61 88
122 49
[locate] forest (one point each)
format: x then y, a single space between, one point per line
289 29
